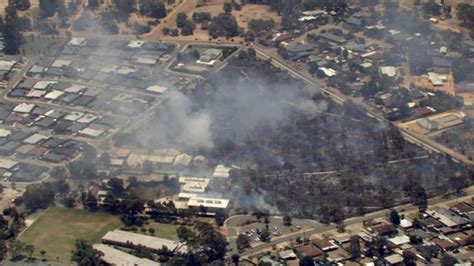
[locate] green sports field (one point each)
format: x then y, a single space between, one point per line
56 230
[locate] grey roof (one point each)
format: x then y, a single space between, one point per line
333 38
442 62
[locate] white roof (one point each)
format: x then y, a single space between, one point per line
135 159
184 195
76 41
122 237
146 61
404 223
287 254
6 65
394 259
116 162
209 202
157 89
136 44
43 84
436 79
91 132
24 108
53 95
35 93
328 71
399 240
4 133
73 116
75 88
221 171
35 138
194 184
388 71
7 164
61 63
87 118
114 256
183 160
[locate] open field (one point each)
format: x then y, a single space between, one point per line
248 12
164 230
34 45
56 230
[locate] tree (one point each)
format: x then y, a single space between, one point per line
448 260
93 4
16 247
48 7
60 186
38 196
116 186
306 261
431 8
104 160
90 202
20 4
29 249
354 247
131 207
265 235
43 254
224 25
11 31
286 220
409 259
153 8
235 259
228 7
181 19
3 250
58 172
243 242
85 255
394 217
69 202
188 28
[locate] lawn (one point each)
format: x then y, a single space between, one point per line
56 230
164 230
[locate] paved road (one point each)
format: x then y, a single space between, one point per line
351 221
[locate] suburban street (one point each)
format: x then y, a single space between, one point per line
351 221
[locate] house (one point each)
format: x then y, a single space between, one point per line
398 240
447 217
194 185
210 56
445 244
298 50
324 244
395 259
310 250
427 124
211 205
287 254
333 38
463 208
389 71
383 229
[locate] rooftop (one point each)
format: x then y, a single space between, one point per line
123 237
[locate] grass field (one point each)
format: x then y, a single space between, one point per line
45 45
164 230
56 230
